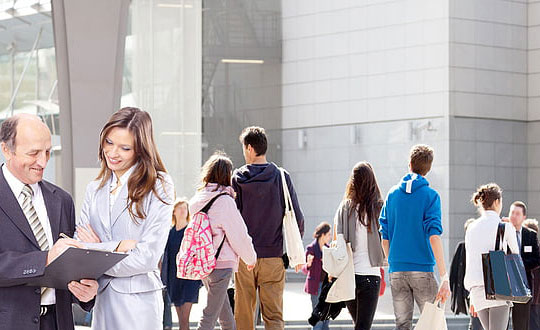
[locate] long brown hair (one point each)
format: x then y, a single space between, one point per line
217 169
149 164
364 194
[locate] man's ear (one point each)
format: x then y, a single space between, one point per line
6 151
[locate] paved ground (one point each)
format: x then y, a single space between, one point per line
297 309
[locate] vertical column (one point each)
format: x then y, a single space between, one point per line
89 41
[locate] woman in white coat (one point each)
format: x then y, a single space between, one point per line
480 238
127 208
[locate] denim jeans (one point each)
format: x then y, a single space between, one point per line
217 302
314 300
408 287
363 307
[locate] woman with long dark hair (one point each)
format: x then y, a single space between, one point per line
128 209
357 219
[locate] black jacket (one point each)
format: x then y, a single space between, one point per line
260 200
22 259
529 249
325 311
460 296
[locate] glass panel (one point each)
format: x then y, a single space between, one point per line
163 76
28 68
241 82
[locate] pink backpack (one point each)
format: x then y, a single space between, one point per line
197 257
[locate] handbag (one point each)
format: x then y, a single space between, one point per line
432 317
504 274
291 233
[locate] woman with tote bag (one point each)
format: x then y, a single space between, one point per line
479 239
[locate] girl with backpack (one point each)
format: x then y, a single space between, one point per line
182 293
229 237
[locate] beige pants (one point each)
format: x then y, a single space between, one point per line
268 277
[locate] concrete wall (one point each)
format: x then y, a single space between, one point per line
534 108
362 81
488 104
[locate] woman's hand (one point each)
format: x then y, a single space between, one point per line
87 234
310 258
472 311
126 245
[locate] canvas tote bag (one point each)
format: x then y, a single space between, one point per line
432 317
291 233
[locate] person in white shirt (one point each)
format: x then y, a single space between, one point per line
480 238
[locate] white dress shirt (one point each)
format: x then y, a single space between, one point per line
17 186
480 238
123 180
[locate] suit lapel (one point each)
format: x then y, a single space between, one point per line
120 204
53 204
13 210
102 200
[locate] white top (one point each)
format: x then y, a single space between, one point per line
362 265
123 180
17 186
480 238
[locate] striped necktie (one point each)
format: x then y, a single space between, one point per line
33 220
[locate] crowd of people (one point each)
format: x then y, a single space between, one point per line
129 206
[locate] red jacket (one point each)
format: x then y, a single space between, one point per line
315 272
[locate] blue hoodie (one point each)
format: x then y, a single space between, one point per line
410 216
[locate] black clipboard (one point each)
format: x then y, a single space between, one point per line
75 264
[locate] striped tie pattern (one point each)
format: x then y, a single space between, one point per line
33 220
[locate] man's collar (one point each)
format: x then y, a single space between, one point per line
15 184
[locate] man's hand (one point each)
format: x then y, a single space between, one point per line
444 291
60 246
126 245
85 291
298 268
87 234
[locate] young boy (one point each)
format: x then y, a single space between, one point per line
411 228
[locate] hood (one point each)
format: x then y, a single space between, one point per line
256 173
412 182
203 196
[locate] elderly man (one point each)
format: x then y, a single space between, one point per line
33 213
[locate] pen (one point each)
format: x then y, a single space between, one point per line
64 235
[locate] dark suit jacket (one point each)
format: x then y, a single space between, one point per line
531 257
21 258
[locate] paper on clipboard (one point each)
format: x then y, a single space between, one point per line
75 264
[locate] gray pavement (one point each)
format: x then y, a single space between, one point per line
297 309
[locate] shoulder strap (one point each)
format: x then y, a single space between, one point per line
205 209
501 227
208 205
286 194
